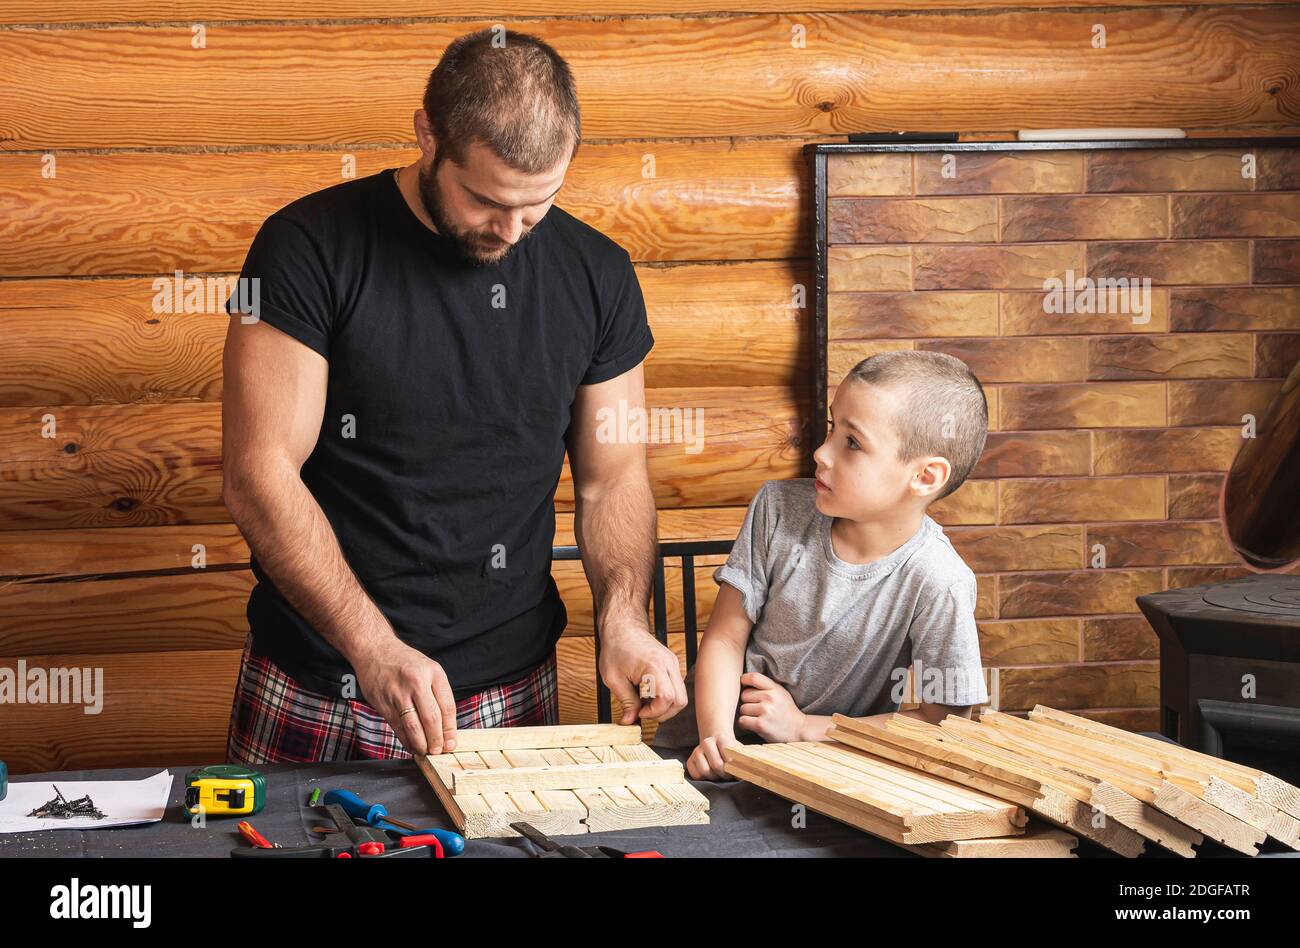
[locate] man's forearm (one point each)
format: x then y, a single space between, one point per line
615 527
297 548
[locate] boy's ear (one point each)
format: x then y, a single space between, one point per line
930 476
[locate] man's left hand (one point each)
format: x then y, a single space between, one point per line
628 654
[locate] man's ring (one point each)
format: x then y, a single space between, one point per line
409 711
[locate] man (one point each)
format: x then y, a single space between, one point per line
426 343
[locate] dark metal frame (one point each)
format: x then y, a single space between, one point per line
817 153
686 551
1220 716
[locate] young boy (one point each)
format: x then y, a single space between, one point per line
837 584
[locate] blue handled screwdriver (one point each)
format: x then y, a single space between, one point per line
453 844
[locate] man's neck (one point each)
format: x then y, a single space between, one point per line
866 541
408 182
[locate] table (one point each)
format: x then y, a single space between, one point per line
744 821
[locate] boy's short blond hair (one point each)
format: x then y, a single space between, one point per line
945 412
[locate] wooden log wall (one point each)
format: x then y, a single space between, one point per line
139 138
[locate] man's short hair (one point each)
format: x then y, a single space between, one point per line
512 92
944 411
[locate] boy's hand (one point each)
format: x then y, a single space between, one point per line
706 761
768 710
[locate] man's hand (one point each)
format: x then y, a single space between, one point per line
394 677
706 761
626 656
768 710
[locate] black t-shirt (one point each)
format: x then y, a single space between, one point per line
442 443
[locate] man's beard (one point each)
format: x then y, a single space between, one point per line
468 246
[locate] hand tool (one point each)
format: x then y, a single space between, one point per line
225 790
376 815
371 841
254 837
553 850
351 841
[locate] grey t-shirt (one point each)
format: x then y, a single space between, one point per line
840 636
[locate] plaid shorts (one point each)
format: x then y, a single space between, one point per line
276 720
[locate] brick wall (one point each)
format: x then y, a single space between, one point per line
1109 432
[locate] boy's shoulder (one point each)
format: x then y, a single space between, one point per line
796 495
936 563
788 507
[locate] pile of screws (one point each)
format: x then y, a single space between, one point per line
64 809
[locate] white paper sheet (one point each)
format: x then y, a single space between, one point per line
124 802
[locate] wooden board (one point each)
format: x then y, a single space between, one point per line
887 800
1161 760
1101 798
1139 780
1038 842
563 780
925 750
1269 789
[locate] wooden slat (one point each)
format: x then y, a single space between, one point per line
105 214
1214 66
145 465
97 342
536 738
1039 842
932 758
103 11
573 777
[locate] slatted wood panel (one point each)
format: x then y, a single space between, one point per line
1036 792
1064 783
572 780
1110 431
895 803
718 234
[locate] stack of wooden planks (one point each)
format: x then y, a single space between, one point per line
563 780
906 806
1114 787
